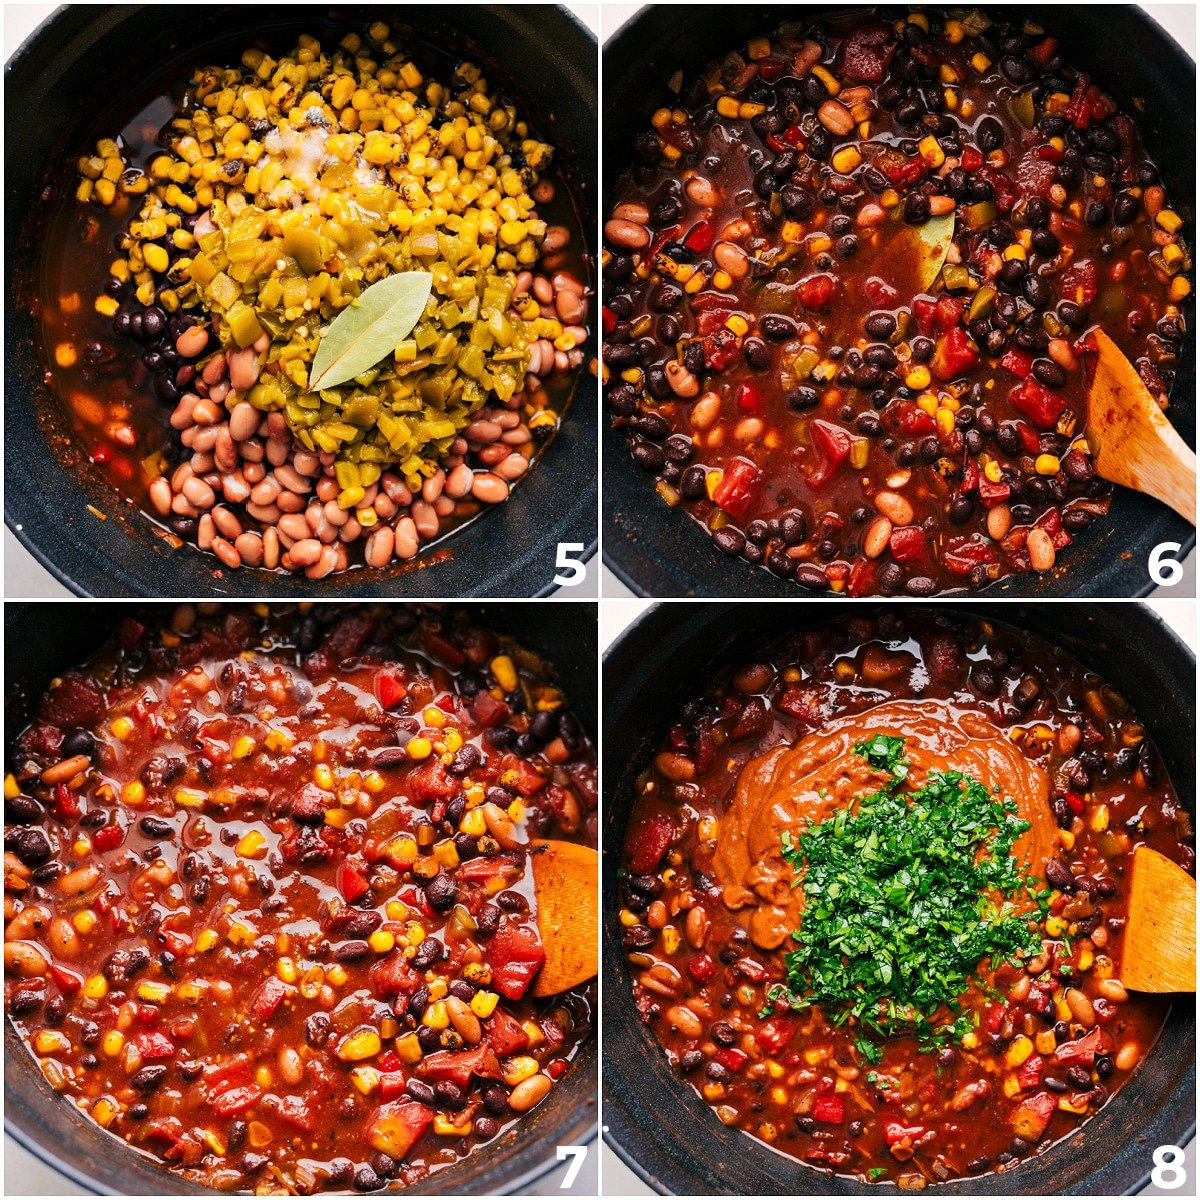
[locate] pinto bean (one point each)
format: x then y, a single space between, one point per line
529 1093
676 767
895 507
836 117
1040 549
191 342
681 381
25 960
875 539
629 235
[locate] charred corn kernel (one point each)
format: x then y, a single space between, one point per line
727 106
970 1040
483 1004
365 1079
243 747
1180 289
519 1067
993 471
323 776
1055 926
84 921
381 941
65 355
1018 1051
419 748
154 993
408 1047
670 939
738 325
931 151
1046 1042
241 934
336 975
918 378
134 792
103 1111
846 159
504 673
1099 820
473 822
190 797
95 987
1046 464
122 728
446 1126
1170 221
363 1043
206 939
251 844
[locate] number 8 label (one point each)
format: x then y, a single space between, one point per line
1168 1172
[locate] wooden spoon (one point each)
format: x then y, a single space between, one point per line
1132 442
1160 935
566 884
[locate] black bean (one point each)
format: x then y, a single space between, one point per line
881 325
777 328
420 1091
916 208
1095 213
148 1079
810 575
803 398
78 741
351 951
756 354
961 509
449 1095
365 1179
1058 874
1048 372
429 952
1125 208
920 585
32 846
729 540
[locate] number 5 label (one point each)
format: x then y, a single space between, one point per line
569 572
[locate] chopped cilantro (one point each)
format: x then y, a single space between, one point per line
904 897
885 753
876 1172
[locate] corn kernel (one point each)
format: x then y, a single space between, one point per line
251 844
1020 1049
154 993
206 939
504 673
846 159
65 354
918 378
737 324
122 728
519 1067
133 793
114 1043
363 1043
419 748
1046 464
323 776
12 789
483 1004
381 941
727 106
1168 220
84 921
95 987
1099 821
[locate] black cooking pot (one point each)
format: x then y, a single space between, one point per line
657 551
43 639
655 1121
63 88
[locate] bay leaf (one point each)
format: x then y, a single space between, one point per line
367 331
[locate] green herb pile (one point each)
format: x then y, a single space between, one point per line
904 898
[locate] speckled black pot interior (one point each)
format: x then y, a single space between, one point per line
43 639
658 551
656 1122
59 87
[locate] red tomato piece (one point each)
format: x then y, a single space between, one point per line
774 1034
1079 282
702 968
68 981
459 1065
867 51
880 293
1075 802
972 159
732 1058
1039 404
515 956
908 543
236 1100
1018 362
911 420
991 494
352 883
1031 1117
894 1133
816 291
830 1110
505 1034
1082 1051
488 710
153 1046
804 703
700 237
608 319
391 1085
389 689
748 398
1029 1073
268 997
963 555
832 443
108 837
954 355
735 493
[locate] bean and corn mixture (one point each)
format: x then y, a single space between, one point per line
914 972
779 359
268 905
278 192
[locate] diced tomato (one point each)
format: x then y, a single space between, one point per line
867 51
963 555
515 955
993 1017
236 1100
862 577
749 400
948 312
1079 282
393 977
880 293
1051 522
794 136
831 1109
487 709
816 291
804 703
443 650
1031 1117
908 543
1039 404
972 159
732 1058
608 318
108 837
459 1065
735 493
774 1034
269 997
700 237
911 420
153 1046
389 689
298 1113
66 803
709 320
923 310
991 494
1029 1073
720 348
431 781
832 443
954 354
389 1060
397 1127
1082 1051
1018 362
505 1034
68 981
1004 193
664 238
701 968
971 474
771 69
77 702
1075 801
894 1133
391 1085
352 883
905 173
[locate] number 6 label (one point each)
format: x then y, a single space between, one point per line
1165 570
1168 1172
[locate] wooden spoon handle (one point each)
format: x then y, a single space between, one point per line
1167 469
